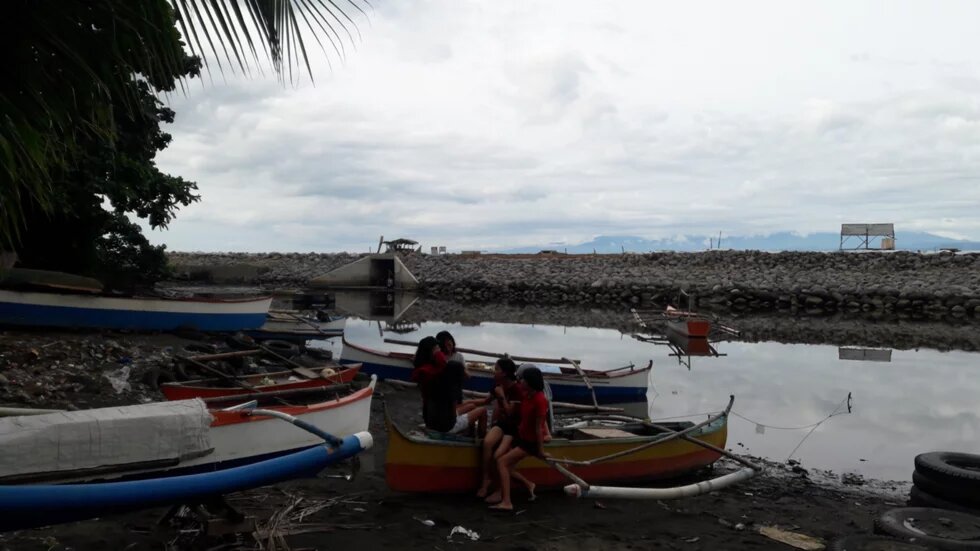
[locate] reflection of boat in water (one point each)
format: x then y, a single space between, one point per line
420 463
691 346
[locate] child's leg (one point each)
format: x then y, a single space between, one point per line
505 465
490 442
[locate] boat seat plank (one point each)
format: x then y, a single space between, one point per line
596 433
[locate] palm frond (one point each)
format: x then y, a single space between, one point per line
220 30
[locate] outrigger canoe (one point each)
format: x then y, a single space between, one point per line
687 324
62 309
265 382
290 327
32 505
621 385
164 439
417 462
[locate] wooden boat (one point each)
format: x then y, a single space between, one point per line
288 327
163 438
624 384
687 324
32 505
54 309
264 382
419 463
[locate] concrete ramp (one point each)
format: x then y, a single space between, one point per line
376 271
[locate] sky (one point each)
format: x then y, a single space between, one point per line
482 125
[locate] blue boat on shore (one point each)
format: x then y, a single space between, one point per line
619 385
99 311
30 506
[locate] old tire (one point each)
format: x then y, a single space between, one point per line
959 470
962 497
939 528
872 543
240 342
283 348
921 498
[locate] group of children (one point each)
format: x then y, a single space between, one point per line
519 424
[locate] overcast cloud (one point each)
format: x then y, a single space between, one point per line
476 124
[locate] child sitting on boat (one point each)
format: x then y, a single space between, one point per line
457 364
529 440
438 383
506 395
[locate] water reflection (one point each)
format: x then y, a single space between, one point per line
919 401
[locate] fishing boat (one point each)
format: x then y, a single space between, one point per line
32 505
64 309
289 327
423 462
164 438
623 384
278 382
687 324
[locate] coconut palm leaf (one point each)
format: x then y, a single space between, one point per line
61 72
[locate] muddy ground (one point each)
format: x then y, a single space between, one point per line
339 514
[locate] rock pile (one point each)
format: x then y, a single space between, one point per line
944 284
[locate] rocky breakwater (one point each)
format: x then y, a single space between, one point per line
900 282
940 284
270 269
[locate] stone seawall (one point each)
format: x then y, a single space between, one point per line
900 282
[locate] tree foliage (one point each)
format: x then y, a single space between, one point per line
79 119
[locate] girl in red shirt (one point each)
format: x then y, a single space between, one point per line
437 385
529 440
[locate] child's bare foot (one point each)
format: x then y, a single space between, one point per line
494 497
530 490
506 507
484 490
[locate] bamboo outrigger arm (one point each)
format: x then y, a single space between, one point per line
580 488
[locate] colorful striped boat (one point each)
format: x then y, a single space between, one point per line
47 309
419 463
265 382
621 385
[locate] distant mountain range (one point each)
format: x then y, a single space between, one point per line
783 241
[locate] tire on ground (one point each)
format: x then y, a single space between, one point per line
872 543
928 526
284 348
961 470
964 498
921 498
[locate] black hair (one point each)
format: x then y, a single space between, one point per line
509 368
442 337
423 354
532 376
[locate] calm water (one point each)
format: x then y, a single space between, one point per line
919 401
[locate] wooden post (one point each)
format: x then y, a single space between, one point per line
585 378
